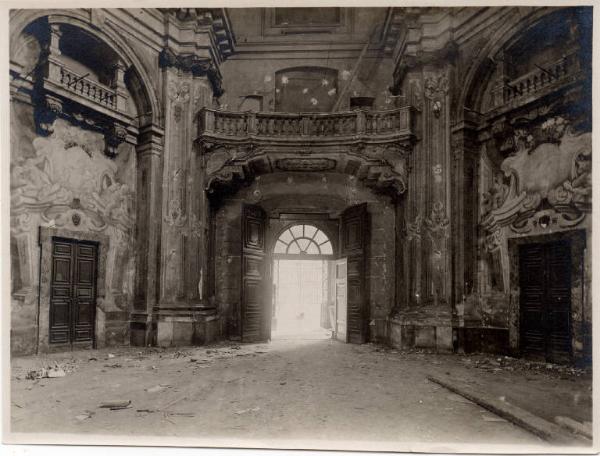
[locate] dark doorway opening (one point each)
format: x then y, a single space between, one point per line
545 301
73 292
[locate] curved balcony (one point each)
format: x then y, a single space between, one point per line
307 128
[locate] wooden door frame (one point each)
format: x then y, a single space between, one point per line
577 239
46 237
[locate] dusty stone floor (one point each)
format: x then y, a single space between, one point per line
314 391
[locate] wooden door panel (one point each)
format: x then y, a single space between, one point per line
61 292
353 241
256 304
84 290
341 303
545 282
60 321
558 257
62 270
73 293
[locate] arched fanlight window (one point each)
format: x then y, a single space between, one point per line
303 240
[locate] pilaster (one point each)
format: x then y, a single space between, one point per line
148 227
183 314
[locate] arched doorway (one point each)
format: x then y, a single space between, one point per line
338 276
302 294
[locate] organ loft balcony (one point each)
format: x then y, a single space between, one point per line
319 129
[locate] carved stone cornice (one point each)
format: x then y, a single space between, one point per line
215 20
197 66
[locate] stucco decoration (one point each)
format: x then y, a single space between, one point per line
413 229
437 227
436 86
68 182
552 166
71 165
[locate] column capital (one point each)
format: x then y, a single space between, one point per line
194 64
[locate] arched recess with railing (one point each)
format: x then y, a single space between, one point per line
140 83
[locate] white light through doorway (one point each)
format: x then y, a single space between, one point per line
300 304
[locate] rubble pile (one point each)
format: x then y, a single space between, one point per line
508 363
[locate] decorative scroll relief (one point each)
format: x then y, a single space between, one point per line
556 171
68 166
70 183
179 94
436 86
176 206
435 227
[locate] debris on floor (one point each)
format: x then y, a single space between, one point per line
157 388
45 373
241 412
115 405
84 416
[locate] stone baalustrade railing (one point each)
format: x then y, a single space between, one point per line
82 89
338 126
537 81
94 91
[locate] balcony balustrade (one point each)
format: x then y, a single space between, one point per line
329 127
87 88
68 84
537 81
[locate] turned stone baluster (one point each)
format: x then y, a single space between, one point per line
361 123
251 123
209 121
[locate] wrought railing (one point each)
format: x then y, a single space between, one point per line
306 125
537 80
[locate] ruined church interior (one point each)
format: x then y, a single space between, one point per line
370 192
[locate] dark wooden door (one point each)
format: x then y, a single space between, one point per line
73 292
256 303
545 283
353 246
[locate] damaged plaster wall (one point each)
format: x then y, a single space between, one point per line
66 181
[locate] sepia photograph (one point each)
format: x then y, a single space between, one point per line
337 227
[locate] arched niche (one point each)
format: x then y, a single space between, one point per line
27 26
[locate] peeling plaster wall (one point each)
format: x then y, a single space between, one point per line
257 76
66 181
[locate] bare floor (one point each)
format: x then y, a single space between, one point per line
321 390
